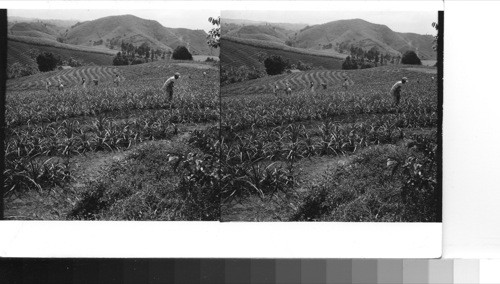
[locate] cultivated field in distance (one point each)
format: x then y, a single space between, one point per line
239 52
19 48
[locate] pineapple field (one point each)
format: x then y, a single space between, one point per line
331 154
108 152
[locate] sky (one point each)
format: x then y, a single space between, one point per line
190 19
414 22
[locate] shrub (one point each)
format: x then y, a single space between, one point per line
17 70
74 63
231 75
275 64
120 60
46 62
366 65
410 57
138 60
349 64
182 53
303 66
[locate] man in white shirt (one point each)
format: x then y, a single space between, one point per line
396 90
276 89
288 89
168 86
60 86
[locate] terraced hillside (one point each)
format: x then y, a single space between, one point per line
297 81
300 81
237 54
105 74
69 77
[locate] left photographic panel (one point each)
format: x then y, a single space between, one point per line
112 115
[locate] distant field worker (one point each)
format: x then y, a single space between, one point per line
323 85
168 86
396 90
204 74
47 86
117 80
311 86
84 84
276 89
288 89
345 85
60 85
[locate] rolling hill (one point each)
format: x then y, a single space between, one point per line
263 32
60 23
327 37
241 22
107 34
36 29
129 28
366 35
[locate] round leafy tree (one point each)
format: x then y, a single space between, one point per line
275 65
46 62
410 57
182 53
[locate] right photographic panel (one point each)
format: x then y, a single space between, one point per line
331 116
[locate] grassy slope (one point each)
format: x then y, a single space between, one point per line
237 54
18 51
263 32
36 29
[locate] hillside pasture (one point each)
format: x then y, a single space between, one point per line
238 52
18 51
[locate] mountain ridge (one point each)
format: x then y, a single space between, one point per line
109 32
339 35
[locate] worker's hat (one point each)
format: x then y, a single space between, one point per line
405 79
177 74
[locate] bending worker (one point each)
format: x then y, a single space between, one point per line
168 86
396 91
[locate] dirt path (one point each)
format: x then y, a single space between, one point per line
311 171
308 172
92 166
55 203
